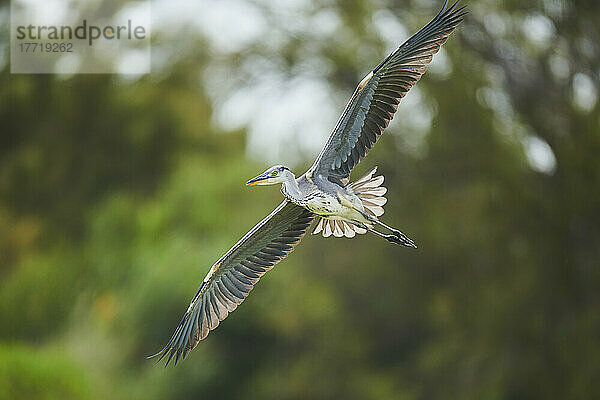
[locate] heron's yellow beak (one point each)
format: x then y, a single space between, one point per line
257 180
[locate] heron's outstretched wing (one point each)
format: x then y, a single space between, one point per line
233 276
377 96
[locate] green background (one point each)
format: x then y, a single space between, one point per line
117 194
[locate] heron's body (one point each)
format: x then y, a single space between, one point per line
324 191
324 198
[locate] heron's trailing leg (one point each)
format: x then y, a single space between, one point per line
390 238
405 240
396 237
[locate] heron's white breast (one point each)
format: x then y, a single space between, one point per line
324 204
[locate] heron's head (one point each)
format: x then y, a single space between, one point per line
272 176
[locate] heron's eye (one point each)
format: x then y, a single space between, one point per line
274 173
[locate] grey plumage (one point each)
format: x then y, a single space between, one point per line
324 190
233 276
375 100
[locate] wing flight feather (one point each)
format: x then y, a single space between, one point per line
234 275
376 97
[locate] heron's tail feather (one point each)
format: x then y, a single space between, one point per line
370 192
337 228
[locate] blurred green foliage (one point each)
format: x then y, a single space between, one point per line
116 196
34 374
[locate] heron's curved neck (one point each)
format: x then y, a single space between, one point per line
290 188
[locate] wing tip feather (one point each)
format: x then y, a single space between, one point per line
211 305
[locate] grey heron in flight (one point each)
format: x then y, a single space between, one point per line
324 191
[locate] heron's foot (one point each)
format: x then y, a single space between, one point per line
401 238
396 237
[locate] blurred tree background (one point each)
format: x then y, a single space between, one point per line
117 193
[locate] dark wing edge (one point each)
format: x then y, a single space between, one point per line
376 97
234 275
